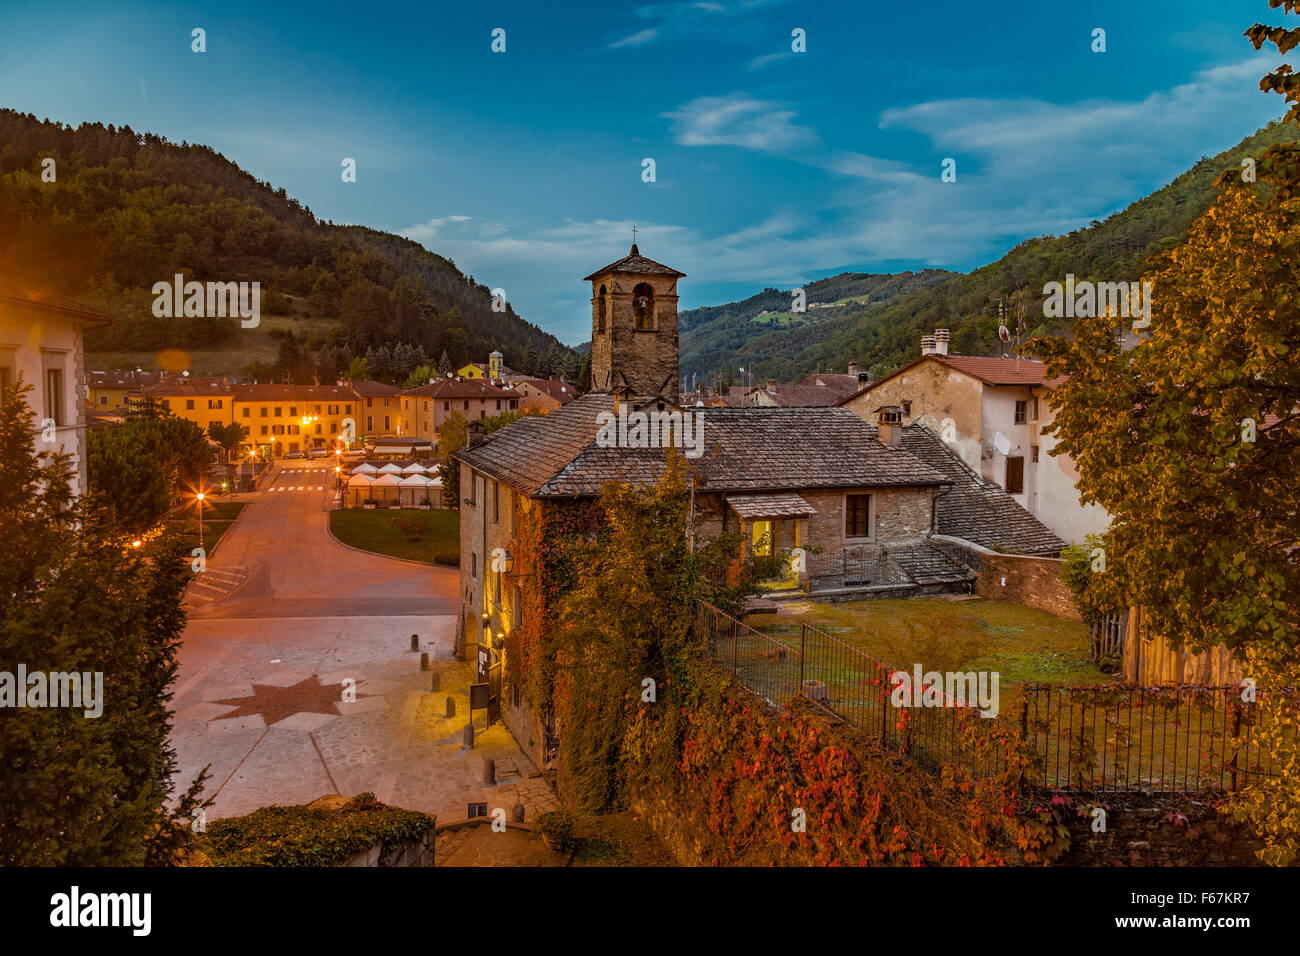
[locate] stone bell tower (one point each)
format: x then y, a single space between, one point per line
634 326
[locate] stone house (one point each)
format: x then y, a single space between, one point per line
861 498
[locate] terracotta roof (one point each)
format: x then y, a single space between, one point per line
997 371
745 449
844 385
182 384
116 378
303 393
364 387
558 389
12 290
462 388
636 264
976 510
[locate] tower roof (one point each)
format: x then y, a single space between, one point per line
636 264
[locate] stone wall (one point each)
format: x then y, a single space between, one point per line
1022 579
899 516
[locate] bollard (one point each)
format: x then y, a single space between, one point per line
415 642
424 660
489 770
451 706
435 683
517 815
468 743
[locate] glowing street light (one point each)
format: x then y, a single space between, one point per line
199 498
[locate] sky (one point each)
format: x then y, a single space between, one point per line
771 167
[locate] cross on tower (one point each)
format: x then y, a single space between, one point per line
634 235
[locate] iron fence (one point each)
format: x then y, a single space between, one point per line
1086 737
858 566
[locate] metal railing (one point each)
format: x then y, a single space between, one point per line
858 566
1086 737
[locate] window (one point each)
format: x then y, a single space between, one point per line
369 402
277 411
602 306
103 399
1016 475
6 371
446 406
317 409
334 427
370 424
498 404
214 424
247 411
264 429
1033 409
347 409
54 395
318 428
387 426
496 505
643 306
262 411
467 404
1035 451
907 406
189 404
857 516
1022 412
293 411
473 564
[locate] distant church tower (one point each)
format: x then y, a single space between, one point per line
634 326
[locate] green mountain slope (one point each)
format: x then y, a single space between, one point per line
126 210
886 333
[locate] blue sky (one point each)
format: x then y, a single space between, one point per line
772 167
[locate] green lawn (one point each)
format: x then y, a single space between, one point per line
218 516
1020 643
431 536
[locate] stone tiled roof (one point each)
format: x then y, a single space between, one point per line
844 385
368 387
976 510
770 506
804 396
20 293
745 449
637 264
462 388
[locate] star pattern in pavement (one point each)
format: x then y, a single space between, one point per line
274 704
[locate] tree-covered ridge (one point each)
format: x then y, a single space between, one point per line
886 334
128 209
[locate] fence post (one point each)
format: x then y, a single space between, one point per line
1236 729
735 649
803 648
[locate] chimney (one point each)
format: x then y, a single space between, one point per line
853 368
927 345
473 434
622 396
889 425
771 384
940 341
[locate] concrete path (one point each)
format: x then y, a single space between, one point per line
271 658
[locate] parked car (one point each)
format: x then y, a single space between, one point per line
294 454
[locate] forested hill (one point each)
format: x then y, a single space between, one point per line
129 209
885 333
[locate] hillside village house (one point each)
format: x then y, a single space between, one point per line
203 401
543 394
991 412
41 344
380 409
107 391
812 477
424 409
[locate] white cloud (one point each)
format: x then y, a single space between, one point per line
739 120
640 38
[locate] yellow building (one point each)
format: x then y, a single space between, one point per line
108 391
294 418
203 401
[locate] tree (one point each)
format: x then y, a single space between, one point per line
359 370
75 789
1192 442
528 361
451 437
230 437
631 615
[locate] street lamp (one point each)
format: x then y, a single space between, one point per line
199 498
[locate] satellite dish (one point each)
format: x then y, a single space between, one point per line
1001 443
1004 333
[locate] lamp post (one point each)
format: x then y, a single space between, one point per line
199 498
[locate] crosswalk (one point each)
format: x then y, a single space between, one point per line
296 488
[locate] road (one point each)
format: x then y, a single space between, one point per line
297 679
